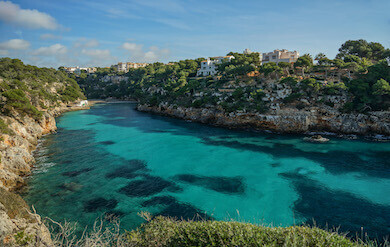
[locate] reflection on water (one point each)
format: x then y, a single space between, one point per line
113 159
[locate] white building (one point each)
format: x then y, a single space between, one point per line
125 67
135 65
280 56
121 67
77 70
83 103
208 67
247 51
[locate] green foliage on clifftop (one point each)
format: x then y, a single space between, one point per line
29 90
357 80
163 231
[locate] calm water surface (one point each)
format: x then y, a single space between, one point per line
114 159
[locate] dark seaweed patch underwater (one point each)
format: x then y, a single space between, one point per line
112 159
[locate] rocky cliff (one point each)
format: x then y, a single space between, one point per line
30 99
17 223
286 120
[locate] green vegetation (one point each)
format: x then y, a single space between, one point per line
4 128
15 206
163 231
28 89
358 75
22 239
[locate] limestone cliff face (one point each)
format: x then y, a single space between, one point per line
16 162
287 120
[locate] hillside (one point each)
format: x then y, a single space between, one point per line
30 98
346 95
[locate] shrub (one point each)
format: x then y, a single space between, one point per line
310 84
4 128
334 89
162 231
292 97
291 81
197 103
17 99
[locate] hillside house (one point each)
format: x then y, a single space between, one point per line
125 67
208 67
280 56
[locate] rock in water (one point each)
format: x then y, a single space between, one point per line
316 138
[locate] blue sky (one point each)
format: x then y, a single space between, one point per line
100 32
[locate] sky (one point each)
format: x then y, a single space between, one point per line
55 33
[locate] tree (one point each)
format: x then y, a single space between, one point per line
381 87
320 56
269 68
311 83
285 66
351 66
363 49
323 62
305 62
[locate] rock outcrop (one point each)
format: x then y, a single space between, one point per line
286 120
17 223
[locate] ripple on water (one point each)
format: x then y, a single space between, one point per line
43 168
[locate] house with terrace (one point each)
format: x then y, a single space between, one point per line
208 67
280 56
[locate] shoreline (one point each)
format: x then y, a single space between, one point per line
266 123
17 161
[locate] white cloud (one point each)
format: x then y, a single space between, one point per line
96 53
137 53
47 36
3 52
98 57
56 49
15 44
85 43
30 18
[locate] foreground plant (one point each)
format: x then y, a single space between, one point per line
166 231
163 231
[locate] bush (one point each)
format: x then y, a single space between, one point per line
291 81
310 84
334 89
162 231
16 99
4 128
292 97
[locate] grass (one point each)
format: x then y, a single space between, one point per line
165 231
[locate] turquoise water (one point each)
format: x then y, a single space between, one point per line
114 159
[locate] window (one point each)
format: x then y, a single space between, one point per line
274 57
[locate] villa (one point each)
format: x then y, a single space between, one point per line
77 70
125 67
280 56
208 67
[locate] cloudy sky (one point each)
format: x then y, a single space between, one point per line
100 32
